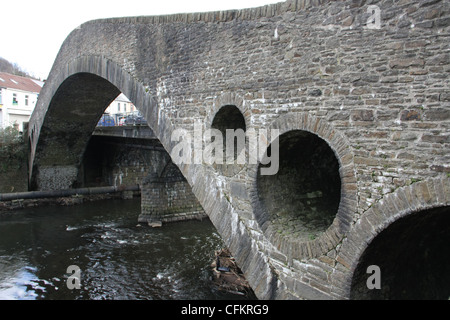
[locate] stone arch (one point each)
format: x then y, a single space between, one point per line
421 201
229 112
229 117
328 238
71 104
64 119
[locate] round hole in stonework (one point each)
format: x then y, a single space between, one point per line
301 200
411 260
230 118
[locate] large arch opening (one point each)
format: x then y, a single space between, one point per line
413 258
72 116
302 199
69 156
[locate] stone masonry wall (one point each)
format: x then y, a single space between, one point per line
119 161
377 96
164 200
165 194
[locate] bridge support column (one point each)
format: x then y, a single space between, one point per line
56 177
168 199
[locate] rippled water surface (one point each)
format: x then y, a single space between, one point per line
118 259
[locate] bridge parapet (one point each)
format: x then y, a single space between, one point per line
136 132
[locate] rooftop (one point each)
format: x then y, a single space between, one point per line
11 81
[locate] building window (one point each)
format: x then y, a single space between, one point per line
118 107
15 103
26 100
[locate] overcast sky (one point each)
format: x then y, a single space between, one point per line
33 30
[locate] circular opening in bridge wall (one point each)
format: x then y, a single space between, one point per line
230 118
413 258
301 200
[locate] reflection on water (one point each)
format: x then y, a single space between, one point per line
118 259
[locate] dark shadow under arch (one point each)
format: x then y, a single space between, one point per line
67 111
230 118
71 117
413 257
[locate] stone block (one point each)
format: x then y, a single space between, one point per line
438 114
406 63
362 115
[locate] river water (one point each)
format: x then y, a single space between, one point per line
117 258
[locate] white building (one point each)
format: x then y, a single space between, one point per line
18 97
120 108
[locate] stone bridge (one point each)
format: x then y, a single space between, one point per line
360 96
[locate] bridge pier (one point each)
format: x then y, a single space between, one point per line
168 199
